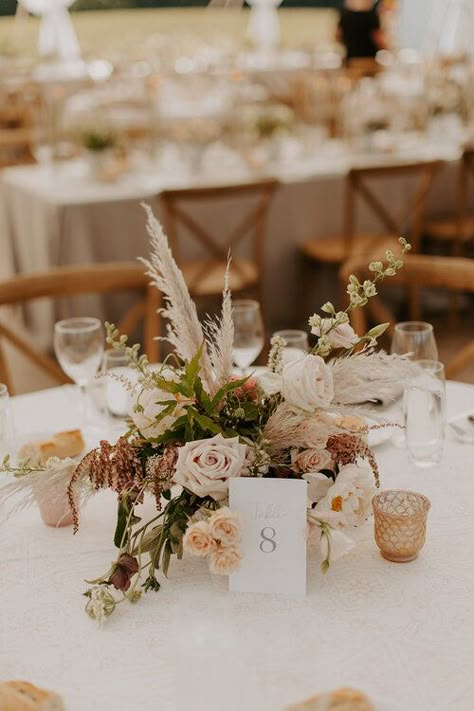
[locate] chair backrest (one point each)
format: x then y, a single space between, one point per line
412 213
252 224
102 278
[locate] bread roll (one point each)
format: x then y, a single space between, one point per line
338 700
64 444
22 696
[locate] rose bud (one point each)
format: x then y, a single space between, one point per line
125 568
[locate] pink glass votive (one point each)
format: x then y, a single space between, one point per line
55 510
400 523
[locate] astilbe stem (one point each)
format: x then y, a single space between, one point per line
107 467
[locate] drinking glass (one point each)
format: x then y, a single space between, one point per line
425 414
296 344
248 333
7 430
79 346
416 339
117 374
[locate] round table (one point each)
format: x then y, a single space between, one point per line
403 633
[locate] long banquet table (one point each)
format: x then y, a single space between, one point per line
51 216
404 633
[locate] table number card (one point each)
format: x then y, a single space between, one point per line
273 543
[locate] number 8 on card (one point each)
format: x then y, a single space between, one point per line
273 547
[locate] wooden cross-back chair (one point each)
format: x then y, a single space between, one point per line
335 249
205 276
103 278
454 274
360 185
458 228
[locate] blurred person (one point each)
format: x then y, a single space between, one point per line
359 29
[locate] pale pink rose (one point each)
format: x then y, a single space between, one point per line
224 560
315 430
307 383
225 526
310 460
204 466
198 539
341 336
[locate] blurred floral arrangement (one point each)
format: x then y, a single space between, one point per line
267 120
193 426
97 138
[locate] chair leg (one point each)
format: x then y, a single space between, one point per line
4 371
414 302
461 360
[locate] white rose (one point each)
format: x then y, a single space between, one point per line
198 539
310 460
204 466
308 383
224 560
347 501
225 526
146 408
341 336
318 485
269 382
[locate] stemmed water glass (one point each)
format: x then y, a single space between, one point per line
416 339
296 343
248 333
79 347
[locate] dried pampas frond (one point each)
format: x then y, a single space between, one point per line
220 336
367 376
185 332
287 428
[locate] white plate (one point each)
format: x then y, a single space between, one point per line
461 421
377 437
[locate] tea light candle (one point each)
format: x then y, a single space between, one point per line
400 523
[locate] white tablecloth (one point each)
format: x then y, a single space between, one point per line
402 632
62 216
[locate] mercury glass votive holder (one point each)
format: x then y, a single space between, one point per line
400 523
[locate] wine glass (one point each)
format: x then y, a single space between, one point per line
415 339
248 333
296 344
79 346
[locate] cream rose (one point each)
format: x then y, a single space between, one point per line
341 336
225 526
310 460
146 409
307 383
204 466
347 501
224 560
318 485
198 539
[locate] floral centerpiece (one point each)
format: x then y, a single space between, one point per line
194 426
